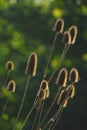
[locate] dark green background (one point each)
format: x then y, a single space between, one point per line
26 26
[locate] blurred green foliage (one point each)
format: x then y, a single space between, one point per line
26 26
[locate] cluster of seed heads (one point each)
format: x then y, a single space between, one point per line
65 82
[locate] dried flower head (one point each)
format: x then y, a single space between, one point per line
31 64
67 37
43 94
59 25
71 91
44 85
73 32
10 65
11 86
62 77
74 75
62 100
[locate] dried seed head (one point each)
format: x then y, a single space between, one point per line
31 64
74 75
43 94
71 91
44 85
11 86
10 65
62 100
62 77
67 37
59 25
73 32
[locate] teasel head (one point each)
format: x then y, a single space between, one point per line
74 75
11 86
62 77
73 32
10 66
62 100
59 25
31 64
71 91
67 37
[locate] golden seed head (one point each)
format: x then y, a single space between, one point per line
62 77
74 75
10 65
44 85
71 91
31 64
43 94
11 86
67 37
59 25
73 32
62 100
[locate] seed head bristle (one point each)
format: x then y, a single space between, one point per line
59 25
31 64
11 86
67 37
10 65
73 32
74 75
62 77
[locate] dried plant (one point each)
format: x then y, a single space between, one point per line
65 83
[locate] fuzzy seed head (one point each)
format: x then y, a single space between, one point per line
73 32
44 85
62 98
74 75
31 64
11 86
71 91
59 25
62 77
10 66
67 37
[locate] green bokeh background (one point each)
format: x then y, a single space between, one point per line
26 26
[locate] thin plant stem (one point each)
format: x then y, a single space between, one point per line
22 102
50 54
5 106
6 77
51 105
28 115
35 123
57 119
42 104
60 61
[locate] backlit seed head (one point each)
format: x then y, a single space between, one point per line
31 64
10 65
73 32
44 85
71 91
62 77
43 94
74 75
11 86
62 100
59 25
67 37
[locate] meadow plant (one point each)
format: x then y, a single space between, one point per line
65 82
